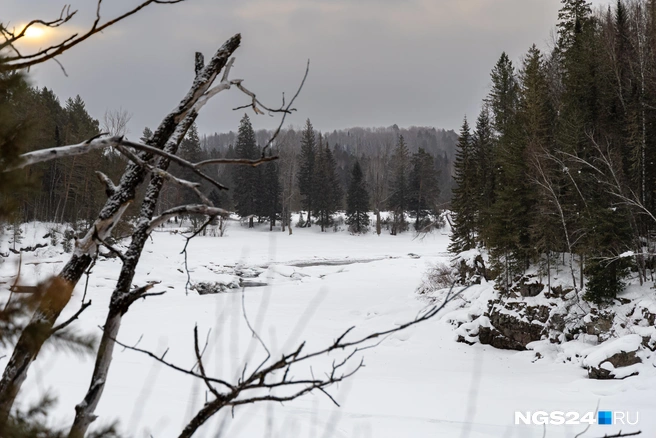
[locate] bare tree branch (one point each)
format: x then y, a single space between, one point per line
20 61
72 318
163 361
275 375
167 137
187 209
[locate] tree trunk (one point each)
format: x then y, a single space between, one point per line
54 301
123 296
581 269
378 222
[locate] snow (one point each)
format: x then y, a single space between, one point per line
418 383
625 344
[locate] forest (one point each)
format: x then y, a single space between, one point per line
313 171
558 167
523 231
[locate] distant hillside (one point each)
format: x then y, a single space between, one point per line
366 141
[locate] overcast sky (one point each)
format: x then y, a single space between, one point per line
373 62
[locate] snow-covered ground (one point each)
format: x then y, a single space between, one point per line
417 383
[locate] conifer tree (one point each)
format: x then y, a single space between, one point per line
503 95
464 202
423 189
13 132
504 235
328 190
146 135
246 178
573 18
535 116
191 151
357 202
483 151
399 190
306 174
271 193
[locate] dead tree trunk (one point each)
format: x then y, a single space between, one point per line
54 301
123 295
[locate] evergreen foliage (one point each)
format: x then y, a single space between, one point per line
246 178
561 166
357 202
465 197
306 172
13 131
399 186
483 151
328 190
423 189
270 193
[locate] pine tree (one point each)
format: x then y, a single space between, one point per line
504 235
332 180
306 173
271 193
573 17
464 202
328 191
246 178
536 115
398 199
483 150
423 189
503 96
13 133
191 151
146 135
357 202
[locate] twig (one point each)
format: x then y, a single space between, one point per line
161 360
71 319
18 61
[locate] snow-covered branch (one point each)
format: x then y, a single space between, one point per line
195 187
43 155
186 209
167 136
96 143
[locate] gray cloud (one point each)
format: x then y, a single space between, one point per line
373 62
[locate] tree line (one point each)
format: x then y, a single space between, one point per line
313 175
307 178
560 162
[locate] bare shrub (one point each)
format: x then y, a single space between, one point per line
439 276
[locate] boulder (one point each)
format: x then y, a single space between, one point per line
513 326
605 361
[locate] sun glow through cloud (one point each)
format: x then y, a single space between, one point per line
34 32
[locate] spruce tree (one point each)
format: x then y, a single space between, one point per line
483 150
13 133
271 193
357 202
464 201
503 95
536 117
306 174
146 135
423 189
246 178
573 18
398 190
328 190
504 235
